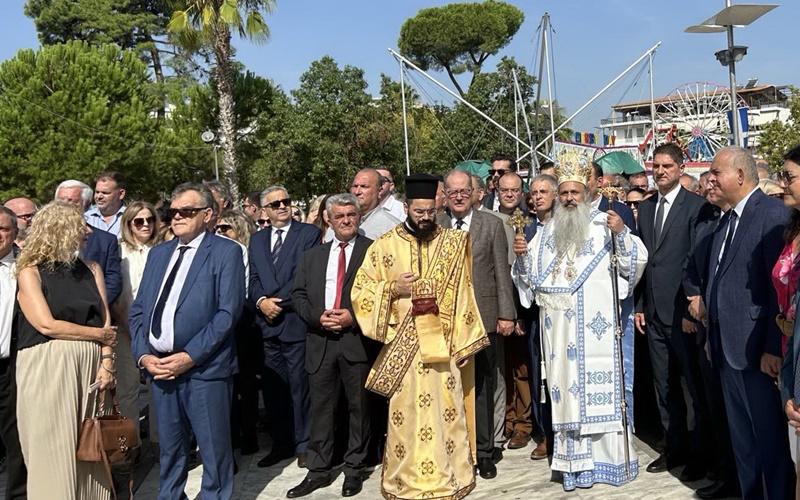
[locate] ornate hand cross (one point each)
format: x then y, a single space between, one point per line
518 221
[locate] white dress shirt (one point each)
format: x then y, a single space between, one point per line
167 340
8 292
333 269
467 221
670 197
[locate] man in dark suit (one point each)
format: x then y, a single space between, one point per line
101 247
743 337
601 203
335 352
668 227
502 164
274 254
182 322
494 294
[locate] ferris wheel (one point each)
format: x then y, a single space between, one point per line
695 116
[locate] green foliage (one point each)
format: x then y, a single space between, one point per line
777 138
72 111
459 37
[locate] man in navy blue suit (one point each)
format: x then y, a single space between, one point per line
600 202
182 322
101 247
743 337
274 255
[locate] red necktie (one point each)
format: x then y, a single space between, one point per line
340 275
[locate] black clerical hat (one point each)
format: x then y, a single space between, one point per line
421 187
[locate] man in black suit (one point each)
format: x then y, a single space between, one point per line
601 203
502 164
335 353
668 226
743 337
494 292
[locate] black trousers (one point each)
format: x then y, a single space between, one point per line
674 355
485 385
15 464
336 374
244 410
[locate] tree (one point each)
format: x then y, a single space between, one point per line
212 21
73 111
459 37
776 137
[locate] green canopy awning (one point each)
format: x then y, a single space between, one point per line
619 162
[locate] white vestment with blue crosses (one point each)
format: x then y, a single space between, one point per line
580 349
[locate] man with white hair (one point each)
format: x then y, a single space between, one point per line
101 247
565 269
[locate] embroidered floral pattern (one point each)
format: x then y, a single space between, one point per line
397 418
450 415
425 434
424 400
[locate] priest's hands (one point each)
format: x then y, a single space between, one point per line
771 364
402 287
520 245
336 320
614 222
638 320
505 327
464 362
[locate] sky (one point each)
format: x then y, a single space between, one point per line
592 43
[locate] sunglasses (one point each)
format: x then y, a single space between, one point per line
286 202
499 173
185 213
223 228
632 204
26 217
263 222
138 222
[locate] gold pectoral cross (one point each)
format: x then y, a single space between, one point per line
518 221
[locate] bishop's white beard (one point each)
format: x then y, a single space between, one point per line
570 225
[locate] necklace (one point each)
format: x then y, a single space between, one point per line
570 272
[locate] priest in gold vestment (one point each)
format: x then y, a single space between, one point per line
413 293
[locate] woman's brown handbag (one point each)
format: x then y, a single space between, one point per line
107 438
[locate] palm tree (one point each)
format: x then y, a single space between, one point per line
197 22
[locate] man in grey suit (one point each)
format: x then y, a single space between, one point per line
494 294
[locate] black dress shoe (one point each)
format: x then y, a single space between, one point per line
497 455
275 456
486 468
352 486
694 471
720 489
307 487
666 462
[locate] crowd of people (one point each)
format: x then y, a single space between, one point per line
423 332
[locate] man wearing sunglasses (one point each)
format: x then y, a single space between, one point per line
274 255
501 165
24 209
182 322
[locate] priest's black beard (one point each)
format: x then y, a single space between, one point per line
420 233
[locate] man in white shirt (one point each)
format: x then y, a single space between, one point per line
109 193
12 459
386 195
375 221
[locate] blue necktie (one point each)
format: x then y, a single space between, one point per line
158 312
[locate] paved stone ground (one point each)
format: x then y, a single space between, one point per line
518 478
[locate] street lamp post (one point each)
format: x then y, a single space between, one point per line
725 20
208 137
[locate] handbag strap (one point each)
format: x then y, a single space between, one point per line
107 466
101 399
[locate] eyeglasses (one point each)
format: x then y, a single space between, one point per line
26 217
420 213
263 222
633 204
499 173
510 190
452 194
185 213
138 222
786 177
286 202
223 228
